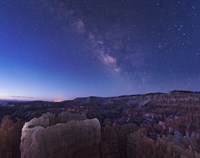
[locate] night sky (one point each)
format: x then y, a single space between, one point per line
63 49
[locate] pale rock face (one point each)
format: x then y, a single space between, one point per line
46 137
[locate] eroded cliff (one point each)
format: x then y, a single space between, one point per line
47 137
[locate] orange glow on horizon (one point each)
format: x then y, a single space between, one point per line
58 99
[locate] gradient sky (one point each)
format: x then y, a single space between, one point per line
62 49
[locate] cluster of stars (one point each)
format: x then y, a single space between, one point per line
135 45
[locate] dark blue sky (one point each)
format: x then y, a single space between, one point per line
62 49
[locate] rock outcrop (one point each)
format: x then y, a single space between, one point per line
140 146
114 141
10 134
65 136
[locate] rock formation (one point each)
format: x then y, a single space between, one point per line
10 134
114 140
65 136
140 146
162 115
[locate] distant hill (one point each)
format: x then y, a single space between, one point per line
6 102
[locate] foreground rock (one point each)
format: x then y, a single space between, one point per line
10 134
65 136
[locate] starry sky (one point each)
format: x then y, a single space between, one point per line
63 49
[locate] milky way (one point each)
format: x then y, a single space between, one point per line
62 49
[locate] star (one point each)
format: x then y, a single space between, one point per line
82 47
